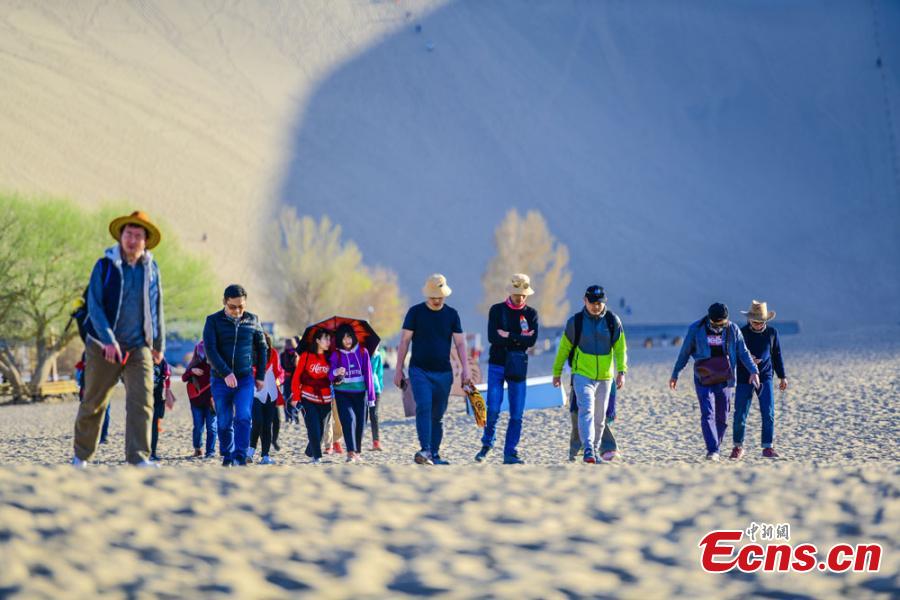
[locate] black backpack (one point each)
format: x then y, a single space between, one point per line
80 314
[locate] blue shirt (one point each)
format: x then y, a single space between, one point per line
130 326
432 335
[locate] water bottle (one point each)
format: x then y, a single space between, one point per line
523 324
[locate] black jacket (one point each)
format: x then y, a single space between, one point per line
235 346
503 317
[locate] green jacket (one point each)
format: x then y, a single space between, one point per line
596 351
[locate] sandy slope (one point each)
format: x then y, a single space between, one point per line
549 529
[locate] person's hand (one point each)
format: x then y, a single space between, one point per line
528 333
197 371
340 372
466 378
398 377
111 353
782 384
620 380
260 385
170 399
503 334
557 382
294 404
231 380
754 379
157 356
673 383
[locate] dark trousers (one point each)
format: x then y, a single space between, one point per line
431 389
276 425
104 431
317 417
715 404
159 412
352 412
373 417
263 417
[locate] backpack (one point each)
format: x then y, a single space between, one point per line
579 325
80 314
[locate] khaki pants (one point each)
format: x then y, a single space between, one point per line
100 377
334 432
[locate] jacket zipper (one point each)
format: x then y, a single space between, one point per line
237 326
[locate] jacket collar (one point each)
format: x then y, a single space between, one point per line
114 253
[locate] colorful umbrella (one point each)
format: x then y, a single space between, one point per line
367 337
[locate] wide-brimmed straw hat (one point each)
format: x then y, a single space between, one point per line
759 312
519 284
141 219
436 287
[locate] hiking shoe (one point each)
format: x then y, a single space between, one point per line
266 461
769 453
482 454
513 459
609 455
423 458
78 463
714 456
197 453
227 462
589 456
338 449
437 460
737 453
376 446
276 447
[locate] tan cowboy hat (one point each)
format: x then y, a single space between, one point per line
759 312
436 287
140 219
519 284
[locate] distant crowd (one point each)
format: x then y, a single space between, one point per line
332 376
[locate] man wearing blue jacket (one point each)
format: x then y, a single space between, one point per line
716 344
125 335
234 343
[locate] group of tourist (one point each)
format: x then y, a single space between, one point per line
236 380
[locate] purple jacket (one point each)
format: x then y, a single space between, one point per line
358 378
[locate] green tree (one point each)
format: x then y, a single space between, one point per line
524 244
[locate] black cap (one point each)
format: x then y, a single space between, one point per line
717 312
595 293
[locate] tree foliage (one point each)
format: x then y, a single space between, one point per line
524 244
318 275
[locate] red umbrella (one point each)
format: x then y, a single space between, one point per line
366 336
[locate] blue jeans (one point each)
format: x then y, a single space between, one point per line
104 431
742 398
431 389
715 404
516 394
205 417
233 408
352 413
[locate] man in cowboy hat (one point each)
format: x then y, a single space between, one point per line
431 327
762 342
512 330
124 336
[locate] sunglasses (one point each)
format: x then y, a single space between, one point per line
719 323
235 307
755 322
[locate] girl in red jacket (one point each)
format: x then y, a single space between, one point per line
311 386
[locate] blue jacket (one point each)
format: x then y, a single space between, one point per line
235 346
104 298
695 346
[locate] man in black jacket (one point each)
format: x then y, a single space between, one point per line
234 343
512 330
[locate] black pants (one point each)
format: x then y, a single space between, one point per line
317 417
159 412
263 419
352 412
373 416
276 425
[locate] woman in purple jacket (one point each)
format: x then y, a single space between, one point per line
354 388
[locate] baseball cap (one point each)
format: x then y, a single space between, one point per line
595 293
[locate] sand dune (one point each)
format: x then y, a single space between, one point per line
549 529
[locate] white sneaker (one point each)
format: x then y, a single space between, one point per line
714 456
147 464
317 461
78 463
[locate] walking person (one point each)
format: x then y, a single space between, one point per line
288 360
265 406
594 345
162 396
512 330
431 327
765 348
354 388
716 345
124 337
311 388
378 381
203 409
235 346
